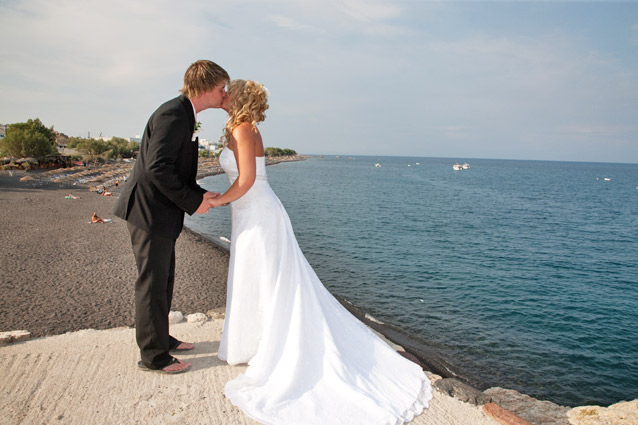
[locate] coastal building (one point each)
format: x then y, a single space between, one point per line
60 141
205 144
136 139
103 138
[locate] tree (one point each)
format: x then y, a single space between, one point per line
95 149
279 152
28 139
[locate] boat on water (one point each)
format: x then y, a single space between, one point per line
457 167
466 166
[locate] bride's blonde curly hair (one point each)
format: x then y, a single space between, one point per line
248 103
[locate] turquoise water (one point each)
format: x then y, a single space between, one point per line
521 274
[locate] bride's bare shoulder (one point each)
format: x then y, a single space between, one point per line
246 131
244 128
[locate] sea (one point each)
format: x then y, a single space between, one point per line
520 274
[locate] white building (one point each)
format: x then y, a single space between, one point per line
205 144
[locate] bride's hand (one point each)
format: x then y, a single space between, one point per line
211 195
215 202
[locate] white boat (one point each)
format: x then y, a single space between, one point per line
377 165
466 166
457 167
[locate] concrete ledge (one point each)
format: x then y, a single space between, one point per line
14 336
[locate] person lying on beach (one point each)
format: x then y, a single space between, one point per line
96 219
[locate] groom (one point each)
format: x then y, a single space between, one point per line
160 189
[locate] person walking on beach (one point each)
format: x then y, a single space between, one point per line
161 188
309 360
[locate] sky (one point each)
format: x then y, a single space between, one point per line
537 80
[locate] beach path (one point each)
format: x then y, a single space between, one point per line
91 377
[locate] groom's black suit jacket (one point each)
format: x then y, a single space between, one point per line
162 185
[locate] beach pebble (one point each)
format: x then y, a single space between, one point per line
217 313
433 377
175 317
196 317
14 336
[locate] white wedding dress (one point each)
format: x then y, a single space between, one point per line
309 360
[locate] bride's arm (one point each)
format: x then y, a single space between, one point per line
246 140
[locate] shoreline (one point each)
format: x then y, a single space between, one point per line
122 265
50 245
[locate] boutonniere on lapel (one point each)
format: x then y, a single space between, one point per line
196 128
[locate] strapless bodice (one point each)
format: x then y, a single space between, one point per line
229 165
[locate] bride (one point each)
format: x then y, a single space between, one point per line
309 360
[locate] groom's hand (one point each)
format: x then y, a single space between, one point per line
204 206
207 202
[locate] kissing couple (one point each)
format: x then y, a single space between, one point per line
309 360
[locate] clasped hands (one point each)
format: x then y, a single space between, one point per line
208 202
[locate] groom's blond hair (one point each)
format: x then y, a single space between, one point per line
203 76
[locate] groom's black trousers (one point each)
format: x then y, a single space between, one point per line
155 259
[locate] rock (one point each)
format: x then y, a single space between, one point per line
433 377
411 357
502 416
461 391
175 317
532 410
14 336
5 338
623 413
196 317
216 313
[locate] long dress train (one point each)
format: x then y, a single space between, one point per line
310 362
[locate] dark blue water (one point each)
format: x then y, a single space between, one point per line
522 274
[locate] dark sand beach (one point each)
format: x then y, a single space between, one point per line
62 273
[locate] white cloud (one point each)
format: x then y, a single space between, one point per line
366 10
291 24
347 77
